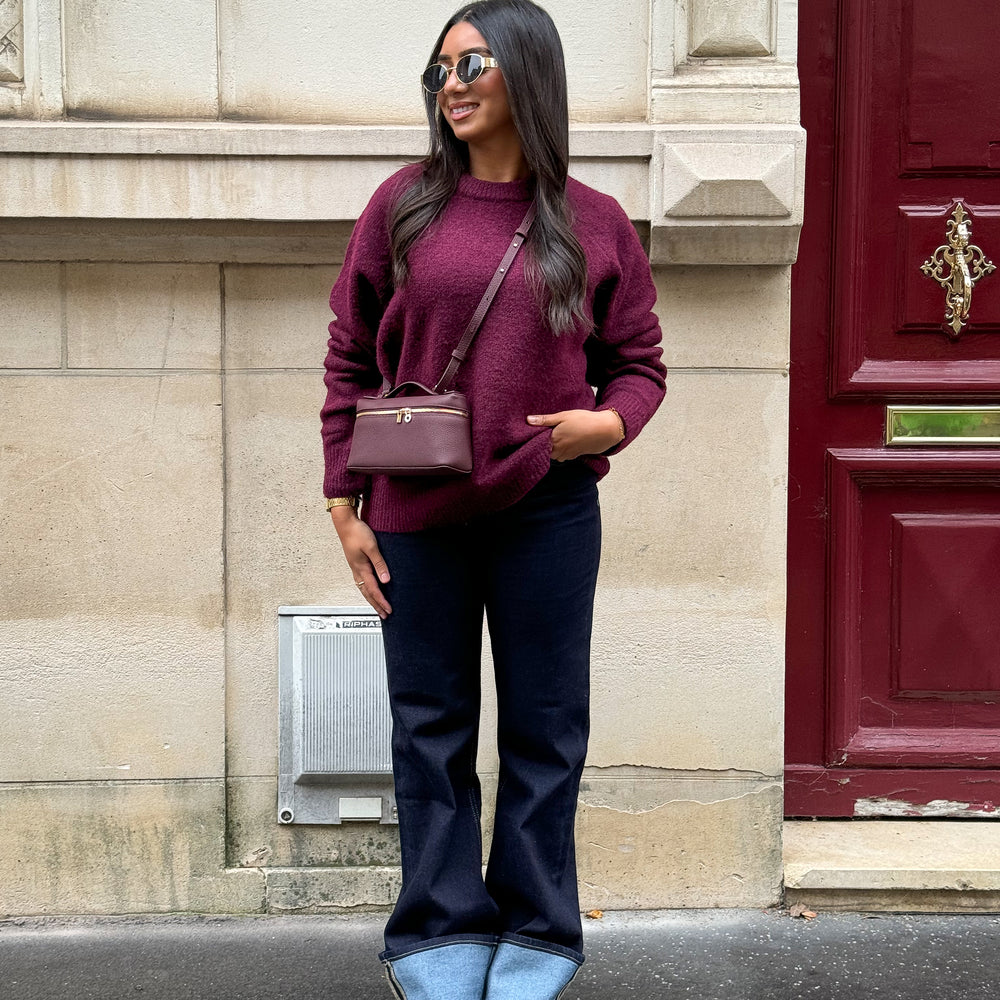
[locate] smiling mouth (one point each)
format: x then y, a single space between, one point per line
459 111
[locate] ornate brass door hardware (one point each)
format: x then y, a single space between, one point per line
966 264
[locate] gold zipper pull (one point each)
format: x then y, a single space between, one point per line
399 416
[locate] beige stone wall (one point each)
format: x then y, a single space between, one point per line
165 303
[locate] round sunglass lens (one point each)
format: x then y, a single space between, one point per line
434 78
469 67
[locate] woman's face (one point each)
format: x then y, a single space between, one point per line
478 112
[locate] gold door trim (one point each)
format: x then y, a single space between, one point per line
943 425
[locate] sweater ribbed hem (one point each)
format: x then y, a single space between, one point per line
394 518
389 513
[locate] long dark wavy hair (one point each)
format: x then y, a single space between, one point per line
524 41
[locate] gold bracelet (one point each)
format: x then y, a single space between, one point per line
341 502
621 424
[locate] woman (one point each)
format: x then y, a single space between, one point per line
519 538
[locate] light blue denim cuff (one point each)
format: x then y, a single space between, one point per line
519 971
441 972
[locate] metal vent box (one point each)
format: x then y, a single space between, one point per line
335 729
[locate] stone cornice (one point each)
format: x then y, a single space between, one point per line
715 194
273 140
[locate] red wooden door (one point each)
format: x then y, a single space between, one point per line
893 643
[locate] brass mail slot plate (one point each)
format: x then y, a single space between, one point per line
948 425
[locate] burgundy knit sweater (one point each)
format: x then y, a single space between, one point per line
516 365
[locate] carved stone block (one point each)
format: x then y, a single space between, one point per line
730 28
727 180
11 42
727 195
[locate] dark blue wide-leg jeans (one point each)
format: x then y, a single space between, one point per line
532 568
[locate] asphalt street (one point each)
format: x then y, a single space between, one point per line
688 955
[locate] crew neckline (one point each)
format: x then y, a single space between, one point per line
473 187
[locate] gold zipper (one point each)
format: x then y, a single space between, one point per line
405 414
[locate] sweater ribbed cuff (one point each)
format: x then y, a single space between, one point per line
633 412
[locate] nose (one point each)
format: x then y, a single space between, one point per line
453 85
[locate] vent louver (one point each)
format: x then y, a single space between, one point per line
335 727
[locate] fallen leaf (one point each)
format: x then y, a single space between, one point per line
595 914
800 910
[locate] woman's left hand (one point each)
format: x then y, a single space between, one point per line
580 432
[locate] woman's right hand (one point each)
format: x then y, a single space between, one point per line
363 556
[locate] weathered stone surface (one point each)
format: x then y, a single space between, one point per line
595 36
11 42
281 547
720 95
690 597
143 315
892 855
723 317
110 696
254 187
135 59
318 86
331 890
720 852
730 28
727 195
220 172
256 839
36 70
111 601
699 499
728 180
373 141
32 321
119 847
175 241
895 900
190 187
324 54
113 495
276 317
113 598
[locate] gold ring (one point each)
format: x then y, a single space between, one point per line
359 583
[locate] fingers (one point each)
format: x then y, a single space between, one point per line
367 576
579 432
369 589
558 453
547 419
378 563
365 560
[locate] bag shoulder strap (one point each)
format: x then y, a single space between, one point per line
458 355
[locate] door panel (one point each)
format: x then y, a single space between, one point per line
946 75
916 140
893 688
915 608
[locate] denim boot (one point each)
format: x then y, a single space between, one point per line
441 972
525 972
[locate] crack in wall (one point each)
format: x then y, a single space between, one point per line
634 790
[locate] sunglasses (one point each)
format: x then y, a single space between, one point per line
468 69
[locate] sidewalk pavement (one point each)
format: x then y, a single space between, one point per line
683 954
